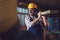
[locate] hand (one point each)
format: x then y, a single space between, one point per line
39 14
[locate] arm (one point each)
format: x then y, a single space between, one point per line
46 23
32 23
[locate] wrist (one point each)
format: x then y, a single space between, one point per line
38 17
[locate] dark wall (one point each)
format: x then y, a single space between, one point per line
44 4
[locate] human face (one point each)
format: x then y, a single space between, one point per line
33 11
8 14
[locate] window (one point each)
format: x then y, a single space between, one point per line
22 10
22 13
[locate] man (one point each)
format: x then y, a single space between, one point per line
35 22
9 24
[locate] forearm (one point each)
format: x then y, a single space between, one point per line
45 21
30 23
35 21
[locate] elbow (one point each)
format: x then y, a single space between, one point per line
47 24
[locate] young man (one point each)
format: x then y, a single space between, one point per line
35 22
9 24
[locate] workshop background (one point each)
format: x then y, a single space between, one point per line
53 32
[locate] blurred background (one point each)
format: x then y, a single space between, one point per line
44 5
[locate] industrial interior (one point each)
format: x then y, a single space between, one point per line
51 7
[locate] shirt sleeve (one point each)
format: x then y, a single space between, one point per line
28 23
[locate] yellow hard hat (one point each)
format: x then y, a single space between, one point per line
32 5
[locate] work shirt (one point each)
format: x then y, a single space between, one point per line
36 29
16 34
28 22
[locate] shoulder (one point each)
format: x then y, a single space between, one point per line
28 36
27 17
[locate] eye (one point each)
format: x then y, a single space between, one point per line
30 11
